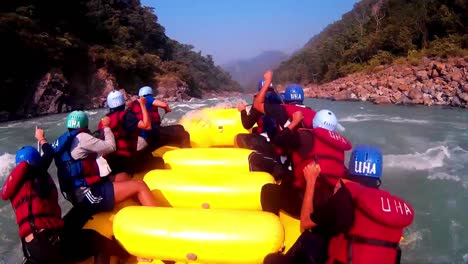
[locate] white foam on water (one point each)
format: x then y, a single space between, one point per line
465 258
169 121
7 162
430 159
398 119
443 176
91 113
361 118
190 106
411 239
373 117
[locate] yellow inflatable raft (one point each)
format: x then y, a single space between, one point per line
213 127
216 159
208 189
204 236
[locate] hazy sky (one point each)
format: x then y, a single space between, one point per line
238 29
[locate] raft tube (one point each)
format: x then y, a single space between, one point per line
219 159
213 127
208 189
198 235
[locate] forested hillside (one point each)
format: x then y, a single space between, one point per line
63 51
378 32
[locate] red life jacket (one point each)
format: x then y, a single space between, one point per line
152 111
154 115
33 211
325 147
379 219
126 143
308 112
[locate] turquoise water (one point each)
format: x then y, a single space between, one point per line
425 150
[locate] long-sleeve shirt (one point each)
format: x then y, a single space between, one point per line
84 143
251 118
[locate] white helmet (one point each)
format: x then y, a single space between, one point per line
115 99
145 90
325 119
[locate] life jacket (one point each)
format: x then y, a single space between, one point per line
266 125
126 142
72 173
308 112
379 220
154 117
34 211
325 147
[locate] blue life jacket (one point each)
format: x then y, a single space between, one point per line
269 126
154 116
72 173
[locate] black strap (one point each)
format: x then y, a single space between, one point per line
31 218
370 241
317 157
24 200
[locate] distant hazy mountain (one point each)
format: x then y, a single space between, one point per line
249 71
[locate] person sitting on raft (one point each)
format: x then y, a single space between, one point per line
44 236
365 224
263 133
158 136
282 114
321 144
82 171
293 98
125 125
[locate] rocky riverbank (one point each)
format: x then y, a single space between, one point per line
56 94
428 82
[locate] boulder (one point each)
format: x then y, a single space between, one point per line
344 95
49 96
382 100
172 89
456 75
403 87
455 102
415 94
464 97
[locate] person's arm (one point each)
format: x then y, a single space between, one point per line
311 172
259 100
288 138
336 216
249 120
49 152
90 144
162 104
144 124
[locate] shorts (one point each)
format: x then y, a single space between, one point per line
44 248
99 197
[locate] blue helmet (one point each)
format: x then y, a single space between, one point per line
145 90
325 119
260 85
366 161
29 154
294 94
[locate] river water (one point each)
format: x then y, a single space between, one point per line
425 150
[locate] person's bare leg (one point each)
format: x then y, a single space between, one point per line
119 177
126 189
